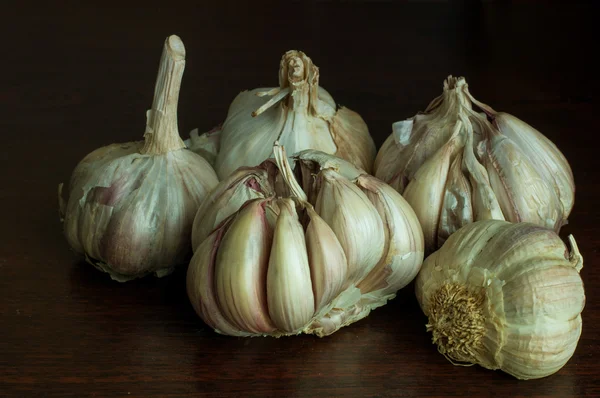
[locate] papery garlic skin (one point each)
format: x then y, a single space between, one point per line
339 248
241 186
514 173
299 114
504 296
130 207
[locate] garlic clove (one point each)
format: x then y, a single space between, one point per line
424 190
389 163
457 208
328 264
523 194
354 220
243 185
484 201
289 288
403 253
240 279
200 284
553 166
552 163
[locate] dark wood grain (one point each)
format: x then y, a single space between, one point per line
75 77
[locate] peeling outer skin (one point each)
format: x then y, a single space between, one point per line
418 138
312 158
342 311
206 145
200 283
457 209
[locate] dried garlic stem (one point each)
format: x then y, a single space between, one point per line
281 94
287 173
162 134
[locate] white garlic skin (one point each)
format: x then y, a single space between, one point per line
507 170
514 297
131 214
305 116
301 267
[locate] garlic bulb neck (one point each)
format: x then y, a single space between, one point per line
162 134
457 322
298 85
298 72
453 99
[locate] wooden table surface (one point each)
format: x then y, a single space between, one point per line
75 77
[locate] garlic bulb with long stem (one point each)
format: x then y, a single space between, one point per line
299 114
276 258
455 165
131 206
504 296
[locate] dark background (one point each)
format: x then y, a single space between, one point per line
74 77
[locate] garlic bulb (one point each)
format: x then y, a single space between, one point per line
504 296
274 258
299 114
455 166
131 206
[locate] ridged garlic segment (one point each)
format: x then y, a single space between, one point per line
455 166
130 207
274 258
299 114
504 296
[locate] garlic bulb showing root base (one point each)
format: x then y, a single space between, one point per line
299 114
455 166
504 296
274 258
130 207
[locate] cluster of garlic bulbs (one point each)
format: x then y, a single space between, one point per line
299 114
274 258
455 166
281 251
130 207
505 296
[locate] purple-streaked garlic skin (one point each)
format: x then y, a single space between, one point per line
307 258
132 215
